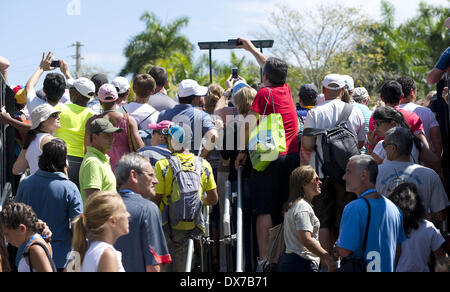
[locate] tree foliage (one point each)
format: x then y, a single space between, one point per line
157 44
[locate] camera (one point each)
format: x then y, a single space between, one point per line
234 43
235 73
55 64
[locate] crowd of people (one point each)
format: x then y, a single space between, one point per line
109 184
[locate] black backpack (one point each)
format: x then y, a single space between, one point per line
339 144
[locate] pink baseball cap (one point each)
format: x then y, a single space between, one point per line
161 126
107 93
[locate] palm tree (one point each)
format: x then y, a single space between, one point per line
156 44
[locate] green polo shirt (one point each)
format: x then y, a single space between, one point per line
96 172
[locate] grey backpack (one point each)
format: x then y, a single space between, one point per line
185 204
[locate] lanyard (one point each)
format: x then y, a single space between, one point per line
23 247
125 192
368 192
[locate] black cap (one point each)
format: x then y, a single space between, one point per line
99 79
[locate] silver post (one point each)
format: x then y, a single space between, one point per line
239 233
190 252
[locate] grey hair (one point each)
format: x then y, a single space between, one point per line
128 162
367 163
402 138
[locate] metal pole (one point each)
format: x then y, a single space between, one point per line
210 67
190 252
261 70
239 233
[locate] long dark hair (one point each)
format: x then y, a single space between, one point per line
389 114
299 178
406 197
30 136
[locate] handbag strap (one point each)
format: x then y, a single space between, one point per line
268 99
367 226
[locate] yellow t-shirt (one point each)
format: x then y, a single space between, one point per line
73 122
164 174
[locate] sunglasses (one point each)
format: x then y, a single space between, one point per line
316 180
54 115
164 131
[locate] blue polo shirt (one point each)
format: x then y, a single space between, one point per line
385 232
198 121
145 244
56 201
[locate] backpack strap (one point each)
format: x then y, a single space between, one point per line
139 125
345 115
27 254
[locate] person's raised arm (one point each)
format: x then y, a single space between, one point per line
45 65
434 76
64 67
4 65
248 46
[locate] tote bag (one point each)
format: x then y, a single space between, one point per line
268 139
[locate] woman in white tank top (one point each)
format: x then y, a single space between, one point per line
94 233
45 121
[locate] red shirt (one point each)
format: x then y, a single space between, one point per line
413 120
284 105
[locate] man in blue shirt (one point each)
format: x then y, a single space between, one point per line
54 198
385 233
144 249
195 122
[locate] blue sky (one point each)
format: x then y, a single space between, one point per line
104 27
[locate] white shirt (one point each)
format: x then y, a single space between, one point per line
144 114
34 151
94 254
325 116
417 248
426 115
301 217
381 152
429 185
34 101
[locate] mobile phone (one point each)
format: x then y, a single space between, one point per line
235 73
55 64
234 43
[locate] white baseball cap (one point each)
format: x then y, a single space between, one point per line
122 84
190 87
349 82
333 79
85 87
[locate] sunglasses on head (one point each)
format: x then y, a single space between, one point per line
164 131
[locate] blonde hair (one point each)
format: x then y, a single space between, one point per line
100 206
214 94
243 99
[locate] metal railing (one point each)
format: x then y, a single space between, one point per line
7 136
